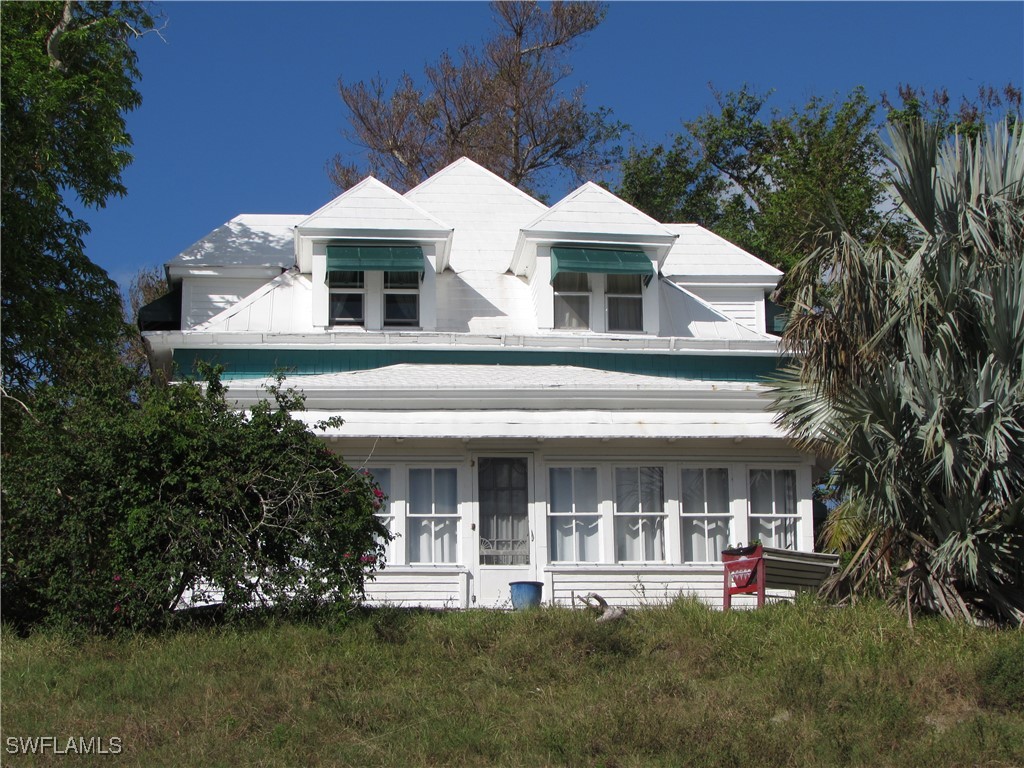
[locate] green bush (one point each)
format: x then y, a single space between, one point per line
120 497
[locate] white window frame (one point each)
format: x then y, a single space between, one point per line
433 516
703 516
643 517
775 518
375 290
575 514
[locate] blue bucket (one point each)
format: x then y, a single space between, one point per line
526 594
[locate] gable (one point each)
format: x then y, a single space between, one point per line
372 205
701 256
593 210
486 211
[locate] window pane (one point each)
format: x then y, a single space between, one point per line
572 282
629 285
572 312
627 492
587 540
625 314
562 539
785 492
421 493
760 491
445 540
445 492
718 491
694 540
401 308
346 308
585 489
627 538
344 279
693 491
654 538
561 490
401 279
778 532
420 540
718 537
652 489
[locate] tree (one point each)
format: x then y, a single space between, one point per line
128 496
970 117
69 77
909 374
502 107
771 184
148 285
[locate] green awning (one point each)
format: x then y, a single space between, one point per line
604 260
375 258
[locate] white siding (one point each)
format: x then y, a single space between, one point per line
204 297
742 304
426 587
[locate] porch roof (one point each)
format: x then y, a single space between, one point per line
598 425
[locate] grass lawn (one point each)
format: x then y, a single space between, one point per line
790 685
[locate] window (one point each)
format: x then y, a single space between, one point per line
379 297
773 515
384 513
624 296
573 515
572 300
705 514
401 299
639 514
348 292
433 520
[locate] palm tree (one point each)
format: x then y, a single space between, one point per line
908 373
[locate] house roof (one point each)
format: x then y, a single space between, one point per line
593 210
486 211
699 255
372 205
486 401
248 240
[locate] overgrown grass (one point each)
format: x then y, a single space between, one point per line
676 686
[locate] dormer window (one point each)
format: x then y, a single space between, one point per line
599 289
374 285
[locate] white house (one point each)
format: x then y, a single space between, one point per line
571 395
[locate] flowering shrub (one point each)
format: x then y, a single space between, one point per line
123 499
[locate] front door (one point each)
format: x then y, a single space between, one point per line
505 542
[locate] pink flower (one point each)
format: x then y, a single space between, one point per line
117 608
117 577
368 559
378 493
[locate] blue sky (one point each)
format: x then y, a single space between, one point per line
241 111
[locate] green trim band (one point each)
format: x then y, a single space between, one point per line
260 363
